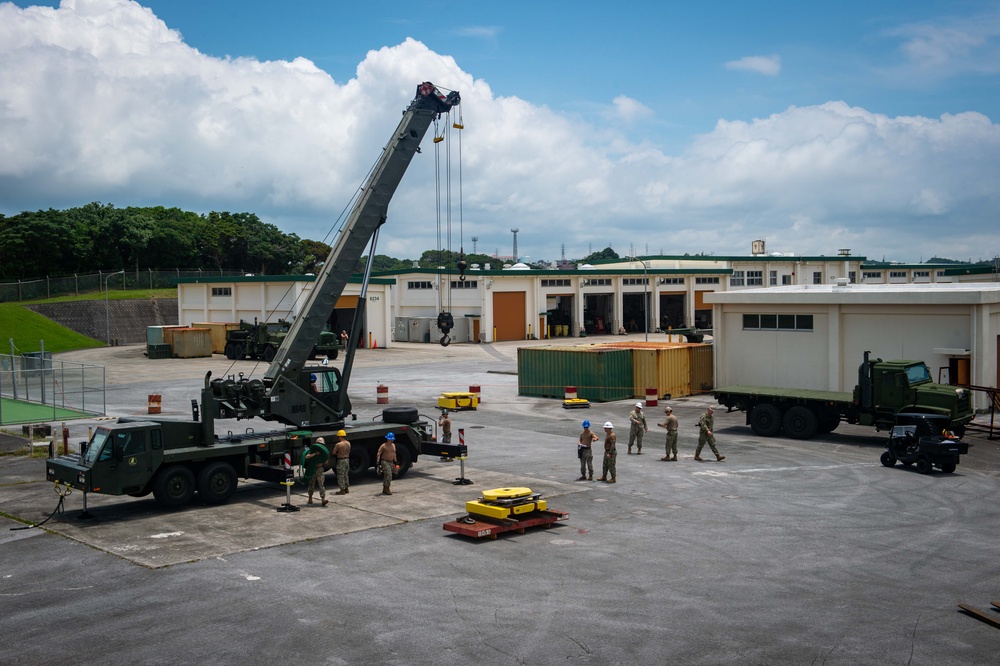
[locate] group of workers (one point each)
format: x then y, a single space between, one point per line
314 465
637 428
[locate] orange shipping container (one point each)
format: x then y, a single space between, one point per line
218 330
189 342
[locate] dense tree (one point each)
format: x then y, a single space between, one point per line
603 255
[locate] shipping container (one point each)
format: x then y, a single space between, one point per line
189 342
599 374
155 334
702 369
218 330
673 368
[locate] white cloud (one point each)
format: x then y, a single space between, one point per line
766 65
101 101
950 46
489 32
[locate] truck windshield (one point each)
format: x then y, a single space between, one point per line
917 374
96 448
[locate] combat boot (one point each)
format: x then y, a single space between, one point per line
665 458
325 502
582 478
698 458
309 501
720 457
612 480
591 476
340 492
630 450
603 478
386 491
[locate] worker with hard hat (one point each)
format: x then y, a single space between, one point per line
313 386
610 453
585 453
637 428
342 452
312 464
386 460
671 425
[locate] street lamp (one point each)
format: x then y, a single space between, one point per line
107 306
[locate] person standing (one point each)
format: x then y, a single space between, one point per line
671 425
706 434
445 424
585 452
386 460
637 428
610 453
313 463
342 451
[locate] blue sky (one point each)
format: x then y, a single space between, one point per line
673 127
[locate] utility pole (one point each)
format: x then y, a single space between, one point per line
514 231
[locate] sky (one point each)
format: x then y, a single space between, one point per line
649 127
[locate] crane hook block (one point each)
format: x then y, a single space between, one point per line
445 322
445 341
462 265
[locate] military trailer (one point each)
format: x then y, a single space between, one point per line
884 389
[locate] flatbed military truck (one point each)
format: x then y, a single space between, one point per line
884 389
261 340
173 459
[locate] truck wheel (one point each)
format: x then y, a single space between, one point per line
765 420
924 466
269 352
800 422
399 414
359 461
230 351
404 460
239 351
829 422
887 459
217 482
948 468
174 486
332 355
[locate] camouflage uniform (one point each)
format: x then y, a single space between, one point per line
587 438
342 450
610 457
637 427
671 425
313 464
706 434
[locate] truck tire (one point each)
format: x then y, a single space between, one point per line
924 466
887 459
404 461
230 351
239 351
765 420
217 482
800 422
269 352
332 355
828 422
173 486
359 462
948 468
399 415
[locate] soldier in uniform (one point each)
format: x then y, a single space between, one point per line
610 452
671 425
313 463
637 428
342 451
386 459
585 452
706 426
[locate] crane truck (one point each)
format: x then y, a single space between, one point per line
173 459
884 389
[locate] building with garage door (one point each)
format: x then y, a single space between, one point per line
814 336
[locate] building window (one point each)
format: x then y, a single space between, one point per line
556 283
873 275
419 284
940 273
897 274
663 280
755 278
786 279
736 279
776 322
597 282
817 277
634 281
852 276
921 274
706 280
467 284
222 291
772 278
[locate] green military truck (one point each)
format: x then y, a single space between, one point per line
261 340
884 389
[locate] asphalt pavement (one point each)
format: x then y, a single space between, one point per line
787 552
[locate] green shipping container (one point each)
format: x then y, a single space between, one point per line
599 375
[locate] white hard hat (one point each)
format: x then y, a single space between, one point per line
639 405
607 424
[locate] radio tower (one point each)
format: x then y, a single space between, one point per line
564 253
514 231
475 239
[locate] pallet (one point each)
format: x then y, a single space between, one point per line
483 527
989 619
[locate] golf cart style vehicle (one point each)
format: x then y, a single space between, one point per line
924 440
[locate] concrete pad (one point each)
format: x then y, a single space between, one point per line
141 532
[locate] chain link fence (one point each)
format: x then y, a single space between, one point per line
47 287
33 386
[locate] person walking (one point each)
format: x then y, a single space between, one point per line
585 452
386 460
342 451
637 428
610 453
312 462
445 424
706 434
671 425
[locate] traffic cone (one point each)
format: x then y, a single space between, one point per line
374 343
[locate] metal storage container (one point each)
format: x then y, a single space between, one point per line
599 374
401 329
420 329
666 370
702 369
218 330
189 342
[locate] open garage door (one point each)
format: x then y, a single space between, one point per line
508 315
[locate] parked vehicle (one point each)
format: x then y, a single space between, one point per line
261 340
923 440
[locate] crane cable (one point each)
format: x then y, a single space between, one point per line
443 135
